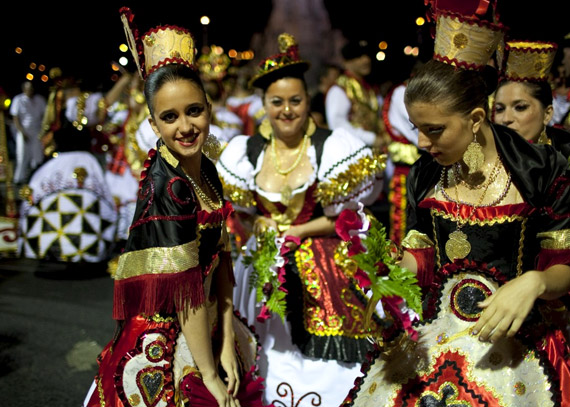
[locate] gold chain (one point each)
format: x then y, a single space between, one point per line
276 162
214 206
458 246
457 201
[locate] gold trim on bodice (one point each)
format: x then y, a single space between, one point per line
239 196
158 260
485 222
285 219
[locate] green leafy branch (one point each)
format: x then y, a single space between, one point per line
264 279
386 276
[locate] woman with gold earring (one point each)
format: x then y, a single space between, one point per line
523 100
295 178
178 341
488 232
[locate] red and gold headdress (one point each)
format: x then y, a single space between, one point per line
465 42
529 61
160 46
286 63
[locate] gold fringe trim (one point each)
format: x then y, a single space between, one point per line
341 186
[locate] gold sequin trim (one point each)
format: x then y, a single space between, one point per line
403 153
557 239
238 196
417 240
159 318
167 155
341 185
158 260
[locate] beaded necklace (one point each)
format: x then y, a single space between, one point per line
211 204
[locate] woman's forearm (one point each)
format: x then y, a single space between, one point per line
224 292
553 282
196 330
321 226
409 261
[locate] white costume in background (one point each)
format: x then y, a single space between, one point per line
29 153
317 375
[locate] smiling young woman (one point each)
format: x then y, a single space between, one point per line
178 340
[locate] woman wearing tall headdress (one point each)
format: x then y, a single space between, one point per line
488 228
523 99
293 179
178 341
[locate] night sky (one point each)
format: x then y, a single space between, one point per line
83 39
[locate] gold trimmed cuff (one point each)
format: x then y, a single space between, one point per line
557 239
417 240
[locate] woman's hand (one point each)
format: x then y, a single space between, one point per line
218 389
505 310
261 224
228 360
295 231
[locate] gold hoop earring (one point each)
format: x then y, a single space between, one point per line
473 157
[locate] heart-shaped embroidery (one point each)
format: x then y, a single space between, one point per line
151 382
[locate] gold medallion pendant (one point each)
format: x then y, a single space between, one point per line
457 247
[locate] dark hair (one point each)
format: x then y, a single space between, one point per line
296 70
165 74
355 49
327 67
538 90
459 90
290 75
